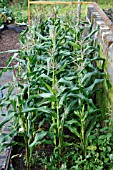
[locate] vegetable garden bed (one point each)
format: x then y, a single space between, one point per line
58 116
8 41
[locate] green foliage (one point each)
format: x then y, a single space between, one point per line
57 81
6 15
20 18
4 3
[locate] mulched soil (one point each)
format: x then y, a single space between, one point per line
18 157
9 40
18 153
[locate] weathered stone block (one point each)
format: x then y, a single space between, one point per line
108 40
106 34
110 72
103 29
89 11
110 53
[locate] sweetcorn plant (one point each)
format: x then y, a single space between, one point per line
57 81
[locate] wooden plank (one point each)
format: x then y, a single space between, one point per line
58 2
104 16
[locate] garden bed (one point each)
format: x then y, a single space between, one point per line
58 112
59 117
8 40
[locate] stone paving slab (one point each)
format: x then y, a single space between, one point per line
5 155
6 77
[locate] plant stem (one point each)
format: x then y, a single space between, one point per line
27 147
53 103
28 155
58 128
82 132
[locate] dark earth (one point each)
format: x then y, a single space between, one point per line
18 156
18 153
9 40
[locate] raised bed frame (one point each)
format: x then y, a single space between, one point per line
94 4
52 3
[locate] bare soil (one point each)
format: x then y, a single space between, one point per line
42 151
18 157
9 40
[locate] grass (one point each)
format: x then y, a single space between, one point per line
63 9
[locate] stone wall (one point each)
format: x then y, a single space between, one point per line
104 37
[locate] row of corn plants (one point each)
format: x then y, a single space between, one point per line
57 83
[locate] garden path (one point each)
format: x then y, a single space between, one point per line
8 41
4 156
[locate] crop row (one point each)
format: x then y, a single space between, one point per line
58 81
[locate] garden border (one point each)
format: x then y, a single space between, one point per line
104 36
